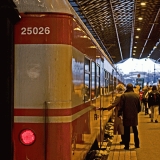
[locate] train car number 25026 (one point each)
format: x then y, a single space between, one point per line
35 30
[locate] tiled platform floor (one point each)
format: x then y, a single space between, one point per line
117 151
149 135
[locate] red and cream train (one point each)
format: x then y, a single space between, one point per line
61 77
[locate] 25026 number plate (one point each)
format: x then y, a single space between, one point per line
35 30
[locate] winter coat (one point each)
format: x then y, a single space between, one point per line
130 107
118 124
151 102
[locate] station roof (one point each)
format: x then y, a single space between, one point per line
123 28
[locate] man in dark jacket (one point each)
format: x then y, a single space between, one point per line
130 107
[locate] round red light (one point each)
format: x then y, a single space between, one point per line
27 137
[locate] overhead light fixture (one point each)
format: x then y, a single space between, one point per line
138 29
77 29
84 37
135 47
143 3
136 36
140 18
154 47
134 54
92 47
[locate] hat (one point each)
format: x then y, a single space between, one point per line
154 87
120 87
130 87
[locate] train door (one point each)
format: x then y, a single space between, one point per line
92 80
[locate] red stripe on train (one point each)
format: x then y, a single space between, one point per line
49 112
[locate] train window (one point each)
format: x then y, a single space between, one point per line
106 82
93 81
115 82
111 84
87 80
87 65
97 81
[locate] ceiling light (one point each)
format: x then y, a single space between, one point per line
84 37
143 3
135 47
92 47
138 29
140 18
134 54
77 29
136 36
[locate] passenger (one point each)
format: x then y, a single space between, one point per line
118 125
144 99
136 89
129 109
140 97
153 102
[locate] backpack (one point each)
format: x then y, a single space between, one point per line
154 98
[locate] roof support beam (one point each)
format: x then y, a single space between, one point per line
132 33
149 33
120 50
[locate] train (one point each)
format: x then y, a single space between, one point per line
61 77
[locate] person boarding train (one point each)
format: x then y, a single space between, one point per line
118 125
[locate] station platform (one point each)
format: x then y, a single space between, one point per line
149 136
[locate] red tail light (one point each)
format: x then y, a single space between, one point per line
27 137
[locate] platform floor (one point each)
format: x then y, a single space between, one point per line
149 136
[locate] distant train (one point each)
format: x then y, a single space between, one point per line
61 77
